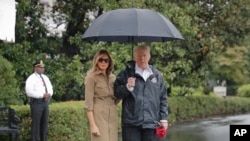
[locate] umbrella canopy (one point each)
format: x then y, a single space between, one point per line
132 25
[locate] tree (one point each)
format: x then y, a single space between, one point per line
9 89
208 26
74 15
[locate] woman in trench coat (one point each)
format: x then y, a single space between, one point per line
100 103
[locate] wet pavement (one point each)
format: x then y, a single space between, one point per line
209 129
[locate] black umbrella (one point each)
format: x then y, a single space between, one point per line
132 25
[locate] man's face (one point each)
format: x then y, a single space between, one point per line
142 58
39 69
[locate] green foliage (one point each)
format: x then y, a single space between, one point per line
65 124
181 91
72 79
208 32
68 120
66 77
9 89
207 89
233 60
29 26
244 91
199 91
192 107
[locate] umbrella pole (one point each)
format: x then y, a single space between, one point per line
132 41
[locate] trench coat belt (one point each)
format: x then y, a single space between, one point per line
105 100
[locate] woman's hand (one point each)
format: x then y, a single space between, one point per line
95 131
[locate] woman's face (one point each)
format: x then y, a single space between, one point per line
103 62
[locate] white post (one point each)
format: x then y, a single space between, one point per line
7 20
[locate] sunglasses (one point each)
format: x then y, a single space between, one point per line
106 60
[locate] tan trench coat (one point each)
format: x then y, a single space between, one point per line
99 97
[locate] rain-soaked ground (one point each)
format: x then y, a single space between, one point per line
209 129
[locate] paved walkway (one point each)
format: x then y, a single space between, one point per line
210 129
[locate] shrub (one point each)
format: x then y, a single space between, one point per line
8 84
181 91
68 120
244 91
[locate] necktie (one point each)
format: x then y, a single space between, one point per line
44 84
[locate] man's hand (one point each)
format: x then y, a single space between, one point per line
131 82
164 124
46 96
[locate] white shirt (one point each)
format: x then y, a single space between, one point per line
35 88
144 74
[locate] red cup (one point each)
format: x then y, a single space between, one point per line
161 132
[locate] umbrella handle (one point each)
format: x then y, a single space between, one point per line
131 68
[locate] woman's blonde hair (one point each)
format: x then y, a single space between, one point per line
97 56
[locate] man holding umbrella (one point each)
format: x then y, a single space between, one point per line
144 94
140 85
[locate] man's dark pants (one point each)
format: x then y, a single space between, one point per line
39 115
137 133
